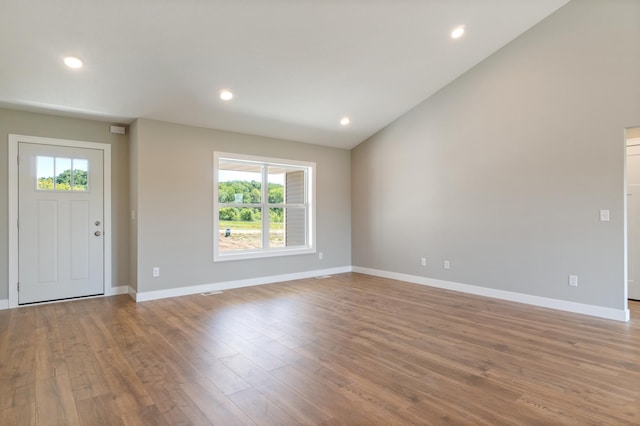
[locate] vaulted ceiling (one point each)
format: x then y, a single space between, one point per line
295 67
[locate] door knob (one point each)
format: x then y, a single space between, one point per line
97 233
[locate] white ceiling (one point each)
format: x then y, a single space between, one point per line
295 66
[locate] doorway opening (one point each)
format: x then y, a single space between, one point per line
633 212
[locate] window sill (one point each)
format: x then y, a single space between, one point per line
262 254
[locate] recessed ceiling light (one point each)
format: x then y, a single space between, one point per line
458 32
72 62
345 120
226 95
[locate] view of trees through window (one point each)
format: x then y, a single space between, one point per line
241 227
62 174
263 207
250 193
63 181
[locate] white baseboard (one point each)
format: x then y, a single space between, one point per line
227 285
133 293
123 289
545 302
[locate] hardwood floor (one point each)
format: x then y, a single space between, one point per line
345 350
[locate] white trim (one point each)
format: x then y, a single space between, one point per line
633 142
228 285
114 291
12 188
13 141
260 254
545 302
133 293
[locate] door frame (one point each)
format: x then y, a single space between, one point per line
13 141
627 143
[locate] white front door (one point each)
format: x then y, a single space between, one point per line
633 241
60 222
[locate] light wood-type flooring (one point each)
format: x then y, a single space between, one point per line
345 350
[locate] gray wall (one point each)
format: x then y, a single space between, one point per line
174 172
504 171
32 124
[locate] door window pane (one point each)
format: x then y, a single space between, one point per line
63 174
44 173
80 174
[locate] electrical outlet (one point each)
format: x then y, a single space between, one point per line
446 264
423 261
573 280
604 216
320 255
156 272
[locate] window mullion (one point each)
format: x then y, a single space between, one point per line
71 182
307 210
265 207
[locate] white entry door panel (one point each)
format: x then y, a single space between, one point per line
633 241
60 213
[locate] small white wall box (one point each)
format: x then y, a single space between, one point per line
118 130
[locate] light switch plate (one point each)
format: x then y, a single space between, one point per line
604 215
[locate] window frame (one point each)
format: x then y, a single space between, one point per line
309 205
